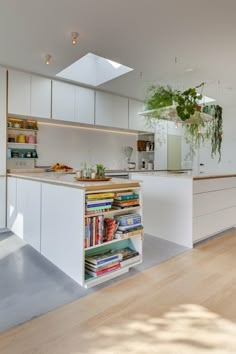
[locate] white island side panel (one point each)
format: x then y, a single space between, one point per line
62 229
167 207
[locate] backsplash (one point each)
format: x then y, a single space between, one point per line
73 146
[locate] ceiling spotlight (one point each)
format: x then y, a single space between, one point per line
48 58
74 36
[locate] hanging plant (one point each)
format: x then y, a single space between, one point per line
162 102
187 102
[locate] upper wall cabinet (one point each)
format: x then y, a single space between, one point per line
111 110
84 105
29 95
137 122
72 103
19 93
63 101
40 97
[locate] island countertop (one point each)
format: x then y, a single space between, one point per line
68 179
187 174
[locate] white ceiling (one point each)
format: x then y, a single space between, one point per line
160 39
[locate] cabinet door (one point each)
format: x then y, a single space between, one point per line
63 101
84 105
19 93
40 97
28 212
3 110
62 239
111 110
11 204
2 202
136 121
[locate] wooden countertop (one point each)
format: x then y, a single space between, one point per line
69 180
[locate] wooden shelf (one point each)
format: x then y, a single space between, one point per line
112 241
24 129
19 144
113 211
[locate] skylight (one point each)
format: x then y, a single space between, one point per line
93 70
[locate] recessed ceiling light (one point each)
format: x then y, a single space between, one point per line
74 36
48 58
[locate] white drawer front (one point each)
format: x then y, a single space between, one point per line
206 203
210 224
214 184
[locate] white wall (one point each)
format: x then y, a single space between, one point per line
228 157
73 146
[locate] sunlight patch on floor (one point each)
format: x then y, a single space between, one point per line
186 329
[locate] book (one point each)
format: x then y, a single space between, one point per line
120 194
127 197
105 271
133 232
130 261
100 195
127 252
103 257
95 268
118 207
128 227
99 201
98 207
126 202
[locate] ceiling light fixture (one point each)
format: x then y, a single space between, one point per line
74 36
48 58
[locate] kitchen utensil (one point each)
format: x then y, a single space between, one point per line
128 152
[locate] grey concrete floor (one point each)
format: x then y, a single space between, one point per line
30 285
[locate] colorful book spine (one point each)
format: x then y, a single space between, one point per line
127 197
99 195
97 274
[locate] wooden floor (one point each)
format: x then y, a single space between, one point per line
185 305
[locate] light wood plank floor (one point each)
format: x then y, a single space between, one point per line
185 305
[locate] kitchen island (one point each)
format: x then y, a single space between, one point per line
48 211
184 208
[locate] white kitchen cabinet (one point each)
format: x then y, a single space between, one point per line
84 105
19 92
3 118
11 204
2 202
63 101
29 204
136 121
29 95
40 97
63 228
111 110
24 210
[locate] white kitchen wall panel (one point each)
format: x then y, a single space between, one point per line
63 101
111 110
84 105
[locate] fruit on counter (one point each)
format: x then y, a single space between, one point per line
60 167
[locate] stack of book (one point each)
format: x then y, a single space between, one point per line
102 262
125 200
107 261
98 202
